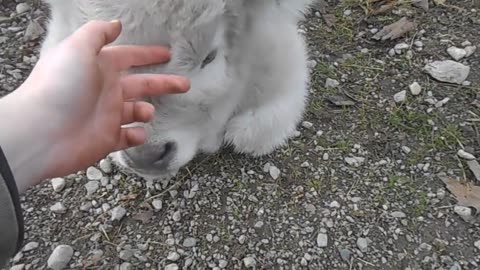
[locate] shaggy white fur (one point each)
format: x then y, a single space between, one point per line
246 61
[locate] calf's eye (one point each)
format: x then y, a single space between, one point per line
209 59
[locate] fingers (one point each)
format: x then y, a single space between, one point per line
141 85
131 137
126 56
138 111
96 34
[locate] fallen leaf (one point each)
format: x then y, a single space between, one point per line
466 194
475 168
440 2
395 30
145 213
384 8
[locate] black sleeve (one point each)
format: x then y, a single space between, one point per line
11 218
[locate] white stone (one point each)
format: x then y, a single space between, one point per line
249 262
274 172
448 71
30 246
60 257
92 187
22 8
463 211
362 244
307 125
172 266
334 204
189 242
173 256
177 216
415 88
94 173
398 214
105 165
157 204
118 213
18 267
331 83
470 50
400 96
456 53
465 155
477 244
406 149
222 264
58 208
401 46
242 239
58 184
322 240
126 266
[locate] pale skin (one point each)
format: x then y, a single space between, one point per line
72 109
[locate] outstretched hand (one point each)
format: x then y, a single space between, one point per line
80 98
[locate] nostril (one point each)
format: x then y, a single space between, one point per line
168 148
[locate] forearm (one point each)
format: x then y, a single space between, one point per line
21 138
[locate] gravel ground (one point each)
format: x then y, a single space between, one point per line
358 188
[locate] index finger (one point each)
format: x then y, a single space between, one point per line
126 56
96 34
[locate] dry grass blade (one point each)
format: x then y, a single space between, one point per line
329 19
466 194
395 30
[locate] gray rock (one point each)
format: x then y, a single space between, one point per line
177 216
125 254
465 155
322 240
345 254
60 257
94 173
222 264
249 262
126 266
30 246
331 83
415 89
157 204
400 96
477 244
171 266
105 165
456 53
58 208
398 214
362 244
307 125
470 50
448 71
58 184
274 172
22 8
18 267
173 256
34 30
92 187
118 213
189 242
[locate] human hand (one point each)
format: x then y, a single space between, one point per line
80 99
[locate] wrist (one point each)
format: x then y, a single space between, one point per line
23 140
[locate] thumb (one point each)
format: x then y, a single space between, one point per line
96 34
